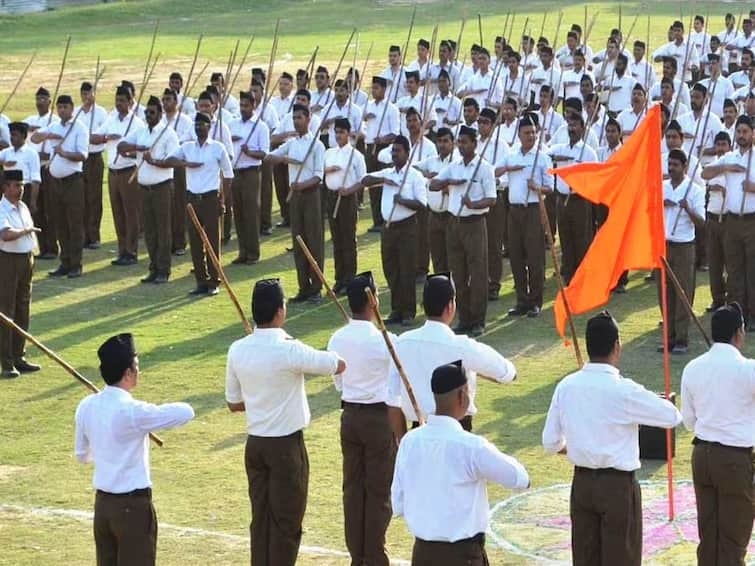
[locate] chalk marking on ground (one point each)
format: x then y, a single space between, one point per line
192 531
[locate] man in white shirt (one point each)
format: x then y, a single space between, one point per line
723 87
546 75
682 50
447 107
112 431
699 125
343 107
157 140
484 86
185 103
741 78
230 102
69 148
571 79
439 485
421 350
527 168
641 69
19 156
680 88
414 99
205 161
715 229
44 216
17 242
367 441
684 210
251 142
470 185
265 380
382 125
575 216
594 418
630 117
728 36
394 75
718 406
125 197
739 223
305 156
404 193
620 86
92 115
344 169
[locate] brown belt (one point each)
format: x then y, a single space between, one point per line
144 492
745 449
156 186
380 406
201 196
122 171
602 471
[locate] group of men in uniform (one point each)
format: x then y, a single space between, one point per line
456 161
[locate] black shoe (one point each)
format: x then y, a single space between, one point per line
199 291
160 279
505 253
407 322
149 278
714 307
460 329
46 255
10 373
534 312
266 232
93 246
225 240
74 273
517 311
239 261
476 330
339 287
679 349
620 289
211 291
283 224
180 252
251 262
27 367
493 295
375 229
124 261
703 268
59 272
289 250
298 298
393 319
659 349
315 299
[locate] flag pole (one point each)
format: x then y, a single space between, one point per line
667 389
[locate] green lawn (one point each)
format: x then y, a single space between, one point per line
199 476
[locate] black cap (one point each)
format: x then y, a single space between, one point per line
116 356
129 85
448 377
423 43
744 119
154 101
246 95
411 75
122 91
443 74
64 99
176 75
286 75
42 91
216 77
13 175
355 290
170 92
488 113
700 88
86 86
342 124
21 127
202 117
439 287
380 81
321 69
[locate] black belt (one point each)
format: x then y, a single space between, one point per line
349 404
570 196
20 254
122 171
201 196
95 153
443 214
250 168
144 492
471 218
156 186
528 205
735 216
479 538
745 449
673 244
603 471
69 177
412 218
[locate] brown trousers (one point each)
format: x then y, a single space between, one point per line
44 218
280 175
460 553
178 216
606 516
125 530
228 215
575 229
436 228
527 254
277 469
125 202
369 452
246 211
715 234
681 258
467 243
423 243
94 170
158 202
552 209
701 251
208 212
306 221
399 259
739 250
68 204
266 195
376 192
343 232
496 224
725 495
15 300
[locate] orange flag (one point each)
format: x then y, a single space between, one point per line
630 184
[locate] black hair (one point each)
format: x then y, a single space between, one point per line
601 335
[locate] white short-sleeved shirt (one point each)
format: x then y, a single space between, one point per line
214 159
25 159
297 148
17 217
77 141
482 185
685 228
413 188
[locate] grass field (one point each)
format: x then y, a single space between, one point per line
198 475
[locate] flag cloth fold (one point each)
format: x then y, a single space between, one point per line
630 184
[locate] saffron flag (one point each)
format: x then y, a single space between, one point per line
630 184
